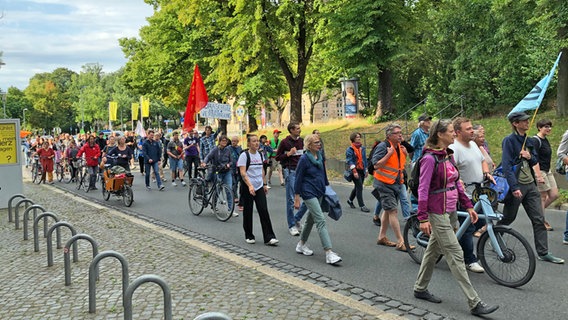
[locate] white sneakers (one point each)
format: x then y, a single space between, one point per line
272 242
183 183
235 214
174 184
294 231
332 257
475 267
250 241
303 249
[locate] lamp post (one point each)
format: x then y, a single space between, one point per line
24 113
4 101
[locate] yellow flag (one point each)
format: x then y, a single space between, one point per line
112 109
135 108
145 107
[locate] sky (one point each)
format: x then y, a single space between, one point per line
42 35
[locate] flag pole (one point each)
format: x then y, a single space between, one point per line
530 126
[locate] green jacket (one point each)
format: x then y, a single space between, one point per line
274 145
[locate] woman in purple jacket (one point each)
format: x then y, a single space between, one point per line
438 195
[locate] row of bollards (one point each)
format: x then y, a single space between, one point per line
127 287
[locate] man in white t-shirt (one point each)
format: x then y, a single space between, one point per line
473 169
253 190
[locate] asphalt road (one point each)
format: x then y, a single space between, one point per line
365 264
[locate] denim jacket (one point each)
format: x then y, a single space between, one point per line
351 158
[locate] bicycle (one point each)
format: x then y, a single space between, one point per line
82 176
118 184
37 171
504 253
200 196
62 171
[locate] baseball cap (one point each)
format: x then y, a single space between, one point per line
276 131
517 116
424 117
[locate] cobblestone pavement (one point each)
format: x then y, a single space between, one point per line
203 275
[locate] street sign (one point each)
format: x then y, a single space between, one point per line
8 143
240 112
216 111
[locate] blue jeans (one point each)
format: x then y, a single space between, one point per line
466 242
290 178
404 205
227 179
156 169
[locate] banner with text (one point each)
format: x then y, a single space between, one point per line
216 111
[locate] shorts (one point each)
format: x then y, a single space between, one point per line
275 165
176 164
549 182
389 193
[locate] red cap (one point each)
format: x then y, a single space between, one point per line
276 131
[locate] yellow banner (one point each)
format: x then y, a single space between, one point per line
135 108
112 109
8 144
145 107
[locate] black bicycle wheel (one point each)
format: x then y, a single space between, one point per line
518 264
36 174
106 193
127 195
195 198
411 231
58 172
85 181
223 207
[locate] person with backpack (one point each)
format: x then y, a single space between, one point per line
356 161
439 192
404 203
253 190
389 159
517 161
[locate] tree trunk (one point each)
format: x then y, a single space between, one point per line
223 126
384 105
562 86
253 126
295 85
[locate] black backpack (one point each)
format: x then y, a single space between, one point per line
370 165
248 157
414 179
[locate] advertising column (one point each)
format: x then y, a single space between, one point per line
10 160
350 94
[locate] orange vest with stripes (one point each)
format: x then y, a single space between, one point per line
388 172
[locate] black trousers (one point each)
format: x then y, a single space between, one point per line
358 189
261 206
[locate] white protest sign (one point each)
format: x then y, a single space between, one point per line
216 111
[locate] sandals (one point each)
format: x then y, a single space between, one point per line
401 247
479 232
386 242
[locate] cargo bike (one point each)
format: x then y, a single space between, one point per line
116 180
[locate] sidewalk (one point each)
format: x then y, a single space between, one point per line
202 278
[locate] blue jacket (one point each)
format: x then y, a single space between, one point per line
351 159
310 179
152 150
511 146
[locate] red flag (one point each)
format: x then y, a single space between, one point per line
196 100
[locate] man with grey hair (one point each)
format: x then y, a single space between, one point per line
389 159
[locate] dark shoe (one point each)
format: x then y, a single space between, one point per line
481 308
377 221
93 188
548 226
365 209
550 258
426 295
350 203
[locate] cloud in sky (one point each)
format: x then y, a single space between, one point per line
43 35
